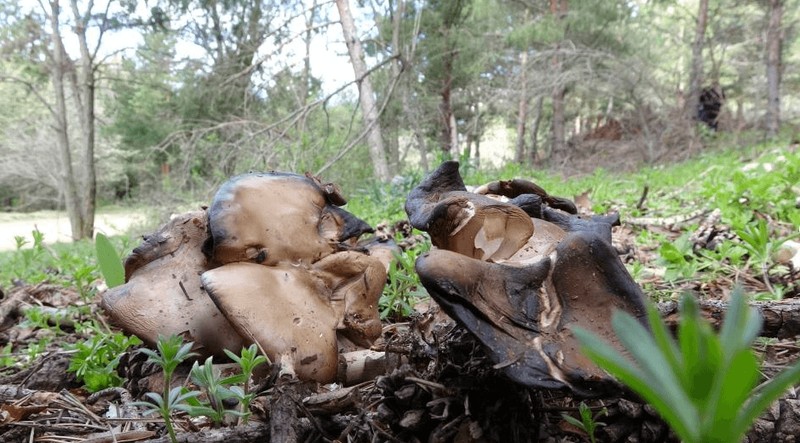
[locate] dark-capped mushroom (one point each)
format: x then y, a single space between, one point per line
464 222
523 308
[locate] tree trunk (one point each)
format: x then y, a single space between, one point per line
366 96
446 105
57 71
774 40
85 90
558 145
306 76
696 72
535 157
522 110
559 9
397 71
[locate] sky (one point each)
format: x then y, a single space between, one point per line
329 60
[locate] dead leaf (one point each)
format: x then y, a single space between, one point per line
12 413
583 202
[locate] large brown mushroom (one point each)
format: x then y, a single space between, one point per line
269 218
299 315
163 294
522 307
277 264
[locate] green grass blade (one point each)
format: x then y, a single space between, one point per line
742 324
770 392
663 339
109 261
679 414
652 361
701 351
732 386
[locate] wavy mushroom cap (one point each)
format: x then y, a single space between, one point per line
517 187
354 283
284 309
269 218
163 294
464 222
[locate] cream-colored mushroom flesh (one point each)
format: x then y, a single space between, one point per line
164 295
479 227
269 218
285 309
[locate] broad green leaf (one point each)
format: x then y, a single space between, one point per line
109 261
670 253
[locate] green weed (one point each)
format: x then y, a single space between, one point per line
218 392
760 244
7 357
704 385
96 359
678 257
403 288
170 352
588 422
247 361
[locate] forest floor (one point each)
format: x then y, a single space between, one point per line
439 385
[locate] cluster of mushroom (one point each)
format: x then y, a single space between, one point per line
518 268
273 261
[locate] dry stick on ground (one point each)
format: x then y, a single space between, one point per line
643 198
250 432
666 221
283 411
781 318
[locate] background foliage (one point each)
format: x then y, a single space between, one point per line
189 93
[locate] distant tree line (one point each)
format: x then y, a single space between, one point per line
107 101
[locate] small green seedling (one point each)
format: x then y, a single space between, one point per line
249 360
218 391
171 351
175 399
705 386
588 422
